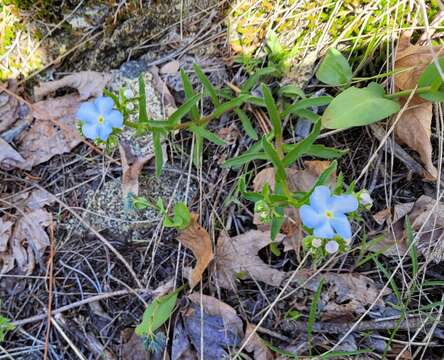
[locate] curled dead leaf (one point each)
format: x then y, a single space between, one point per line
239 255
24 242
88 84
53 132
197 239
9 107
414 130
343 296
256 345
414 126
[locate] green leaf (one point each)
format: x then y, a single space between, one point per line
184 109
5 327
245 158
323 152
246 123
307 103
358 107
201 131
143 115
158 153
182 216
272 110
274 157
254 79
313 312
432 77
207 84
229 105
302 147
307 115
189 93
334 69
157 313
291 91
276 223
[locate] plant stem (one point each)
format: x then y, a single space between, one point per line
420 90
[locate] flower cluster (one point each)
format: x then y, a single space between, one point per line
99 118
326 218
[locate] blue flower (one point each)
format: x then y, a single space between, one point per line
99 118
326 213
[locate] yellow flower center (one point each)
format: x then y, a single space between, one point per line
101 120
329 214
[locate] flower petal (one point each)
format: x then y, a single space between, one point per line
331 247
343 204
310 217
324 230
115 119
104 132
342 226
104 104
87 113
90 131
320 197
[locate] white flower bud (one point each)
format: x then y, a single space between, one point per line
130 106
331 247
128 93
316 243
365 199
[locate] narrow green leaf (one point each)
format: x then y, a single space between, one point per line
158 154
291 91
307 103
323 152
157 313
207 85
246 123
276 223
189 93
358 107
201 131
254 79
334 69
302 147
143 115
274 157
412 252
197 150
229 105
313 312
307 115
245 158
272 110
184 109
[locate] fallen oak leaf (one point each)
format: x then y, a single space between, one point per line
197 239
239 255
88 84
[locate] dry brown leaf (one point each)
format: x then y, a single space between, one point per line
298 180
414 130
197 239
239 255
382 216
414 126
343 296
53 132
171 67
26 241
9 107
88 84
256 346
215 307
9 158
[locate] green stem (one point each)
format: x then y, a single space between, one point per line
420 90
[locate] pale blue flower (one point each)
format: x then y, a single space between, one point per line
99 118
326 213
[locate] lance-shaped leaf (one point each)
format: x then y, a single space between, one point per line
207 85
143 115
272 110
202 132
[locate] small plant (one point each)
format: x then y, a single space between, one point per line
325 212
5 326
